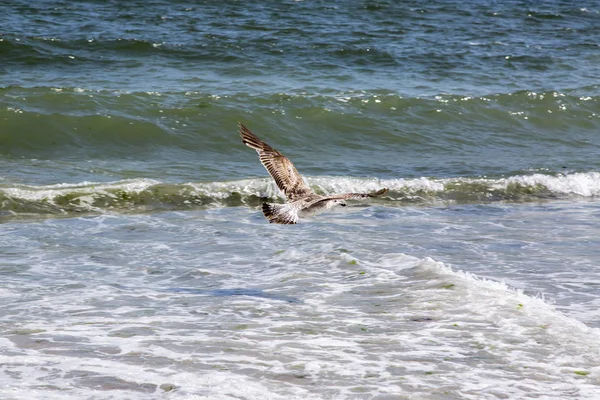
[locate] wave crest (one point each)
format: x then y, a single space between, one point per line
145 195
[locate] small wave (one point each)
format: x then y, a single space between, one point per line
514 188
581 101
147 195
484 296
513 313
44 121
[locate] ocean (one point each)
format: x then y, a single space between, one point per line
135 262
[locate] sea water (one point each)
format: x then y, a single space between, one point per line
135 262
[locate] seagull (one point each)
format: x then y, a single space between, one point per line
301 200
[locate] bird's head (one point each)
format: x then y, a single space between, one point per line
339 202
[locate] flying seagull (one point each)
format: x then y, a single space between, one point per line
301 200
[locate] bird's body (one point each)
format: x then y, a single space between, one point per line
302 201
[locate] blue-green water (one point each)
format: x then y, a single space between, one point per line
135 260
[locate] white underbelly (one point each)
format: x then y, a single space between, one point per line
314 210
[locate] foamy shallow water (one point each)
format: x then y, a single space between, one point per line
468 301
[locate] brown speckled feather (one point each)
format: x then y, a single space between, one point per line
279 167
359 195
347 196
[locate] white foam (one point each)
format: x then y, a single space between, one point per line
49 192
488 320
262 187
585 184
363 324
362 185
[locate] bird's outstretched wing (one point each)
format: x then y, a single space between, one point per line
347 196
360 195
279 167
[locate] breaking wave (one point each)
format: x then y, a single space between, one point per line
147 195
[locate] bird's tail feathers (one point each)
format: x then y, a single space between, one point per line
280 213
